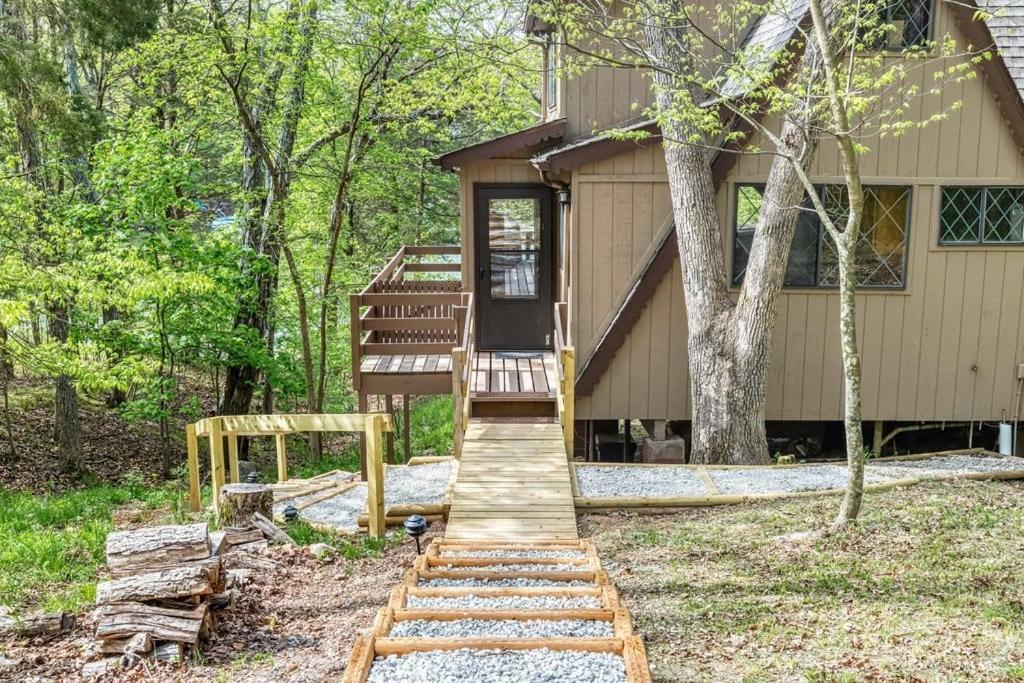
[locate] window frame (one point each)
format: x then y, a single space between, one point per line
928 37
822 236
981 242
550 69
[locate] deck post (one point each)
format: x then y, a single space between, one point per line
233 458
458 360
569 392
406 440
375 482
362 439
192 445
282 456
217 459
389 407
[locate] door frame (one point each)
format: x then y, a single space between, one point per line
481 250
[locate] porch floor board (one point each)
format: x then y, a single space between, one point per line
497 375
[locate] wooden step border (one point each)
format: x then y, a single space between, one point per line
377 641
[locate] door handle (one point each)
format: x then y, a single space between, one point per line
483 272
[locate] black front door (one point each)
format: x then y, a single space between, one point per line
514 260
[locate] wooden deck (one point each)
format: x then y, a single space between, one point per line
513 484
406 364
495 372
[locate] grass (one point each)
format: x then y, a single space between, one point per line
53 546
927 587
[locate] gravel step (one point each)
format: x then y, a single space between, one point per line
504 602
498 666
518 554
511 582
513 568
502 628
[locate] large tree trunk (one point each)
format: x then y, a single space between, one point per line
67 429
729 342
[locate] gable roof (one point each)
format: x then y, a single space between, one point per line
501 147
595 147
1007 29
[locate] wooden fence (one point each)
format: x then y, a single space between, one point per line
227 429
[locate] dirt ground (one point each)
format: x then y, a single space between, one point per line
295 623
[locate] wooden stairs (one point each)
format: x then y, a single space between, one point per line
461 559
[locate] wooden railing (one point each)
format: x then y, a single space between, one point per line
565 364
462 370
229 427
407 316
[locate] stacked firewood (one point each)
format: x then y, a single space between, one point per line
166 583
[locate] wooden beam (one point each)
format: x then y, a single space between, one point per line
282 456
266 425
217 460
375 480
192 446
233 458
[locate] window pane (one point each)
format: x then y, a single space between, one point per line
960 218
909 21
1004 215
802 268
514 224
748 212
881 249
514 275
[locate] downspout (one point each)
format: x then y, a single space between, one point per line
562 191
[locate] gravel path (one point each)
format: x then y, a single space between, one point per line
502 628
515 568
606 482
517 582
403 485
784 480
504 602
496 666
409 485
947 464
517 554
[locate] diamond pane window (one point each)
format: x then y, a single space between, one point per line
881 250
901 24
982 215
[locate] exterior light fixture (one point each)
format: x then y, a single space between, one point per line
563 196
416 526
291 513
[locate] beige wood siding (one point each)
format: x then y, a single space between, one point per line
944 348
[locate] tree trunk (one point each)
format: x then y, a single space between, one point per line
855 453
67 428
729 343
238 502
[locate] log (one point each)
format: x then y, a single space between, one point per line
237 503
364 519
212 564
101 667
36 625
157 546
169 652
180 582
270 529
233 537
160 623
139 644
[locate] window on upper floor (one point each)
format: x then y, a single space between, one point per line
982 215
881 250
550 72
902 24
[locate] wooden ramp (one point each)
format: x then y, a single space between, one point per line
513 484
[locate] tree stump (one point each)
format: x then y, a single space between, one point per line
239 501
